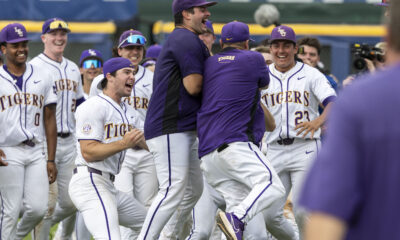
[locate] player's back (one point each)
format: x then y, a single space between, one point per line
230 109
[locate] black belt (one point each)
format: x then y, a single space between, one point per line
222 147
63 135
29 143
286 141
94 170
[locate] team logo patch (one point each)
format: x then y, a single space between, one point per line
91 52
282 32
86 129
19 31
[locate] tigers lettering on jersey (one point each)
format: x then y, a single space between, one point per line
137 102
271 99
116 130
21 98
66 84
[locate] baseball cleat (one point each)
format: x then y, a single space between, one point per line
230 225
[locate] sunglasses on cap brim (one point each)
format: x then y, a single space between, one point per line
134 39
91 63
58 24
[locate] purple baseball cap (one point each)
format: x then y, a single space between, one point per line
209 26
180 5
235 32
283 33
131 37
13 33
54 24
90 53
115 64
153 51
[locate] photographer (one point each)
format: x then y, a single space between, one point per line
367 59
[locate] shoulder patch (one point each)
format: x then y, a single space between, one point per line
86 129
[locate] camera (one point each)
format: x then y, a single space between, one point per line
361 51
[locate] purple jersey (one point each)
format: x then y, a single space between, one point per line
230 109
172 109
356 176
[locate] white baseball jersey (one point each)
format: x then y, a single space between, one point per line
68 85
293 97
100 118
21 109
141 93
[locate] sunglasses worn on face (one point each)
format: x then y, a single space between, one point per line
91 62
58 24
134 39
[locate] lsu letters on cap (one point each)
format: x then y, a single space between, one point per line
54 24
13 33
283 33
235 32
180 5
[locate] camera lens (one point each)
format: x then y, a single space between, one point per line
359 63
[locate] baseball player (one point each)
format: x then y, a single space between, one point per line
228 140
138 174
170 123
204 211
90 65
68 85
105 129
360 161
293 96
27 117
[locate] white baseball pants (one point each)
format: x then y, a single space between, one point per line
180 180
291 163
138 178
102 206
244 177
23 182
204 213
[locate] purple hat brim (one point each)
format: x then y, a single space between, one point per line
282 39
130 44
382 4
17 40
206 4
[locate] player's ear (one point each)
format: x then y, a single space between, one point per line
43 37
3 48
185 14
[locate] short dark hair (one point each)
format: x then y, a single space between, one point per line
178 18
310 41
105 81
